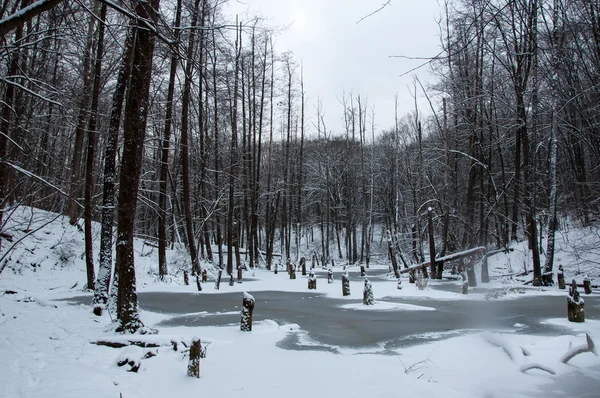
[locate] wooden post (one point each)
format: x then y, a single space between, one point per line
575 311
193 369
560 275
218 282
312 280
303 265
247 310
587 285
485 273
368 293
345 284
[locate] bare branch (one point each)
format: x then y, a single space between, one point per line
387 3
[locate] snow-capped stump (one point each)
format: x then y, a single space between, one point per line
292 271
587 285
363 271
465 283
303 265
312 280
288 265
193 369
275 271
329 276
239 274
231 282
399 285
198 284
345 284
575 303
560 275
589 346
186 279
218 282
368 293
247 310
204 276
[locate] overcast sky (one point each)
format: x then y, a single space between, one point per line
340 55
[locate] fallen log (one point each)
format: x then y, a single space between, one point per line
589 346
450 257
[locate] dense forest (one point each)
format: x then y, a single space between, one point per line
180 125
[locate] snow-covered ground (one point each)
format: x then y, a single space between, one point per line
46 350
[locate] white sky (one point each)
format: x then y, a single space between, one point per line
340 55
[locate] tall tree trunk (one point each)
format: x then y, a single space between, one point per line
164 149
185 162
109 178
136 113
91 149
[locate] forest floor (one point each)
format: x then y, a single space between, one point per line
46 350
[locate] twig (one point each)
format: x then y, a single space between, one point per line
387 3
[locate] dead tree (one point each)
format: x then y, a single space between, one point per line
193 369
368 293
247 310
575 303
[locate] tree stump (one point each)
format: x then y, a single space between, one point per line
465 283
247 310
288 266
560 275
399 285
204 276
312 280
292 271
411 276
329 276
303 265
198 284
485 273
239 274
575 311
313 261
218 282
275 271
186 279
231 282
587 285
345 284
363 271
193 369
471 275
368 293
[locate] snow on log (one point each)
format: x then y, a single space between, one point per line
535 365
589 346
449 257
